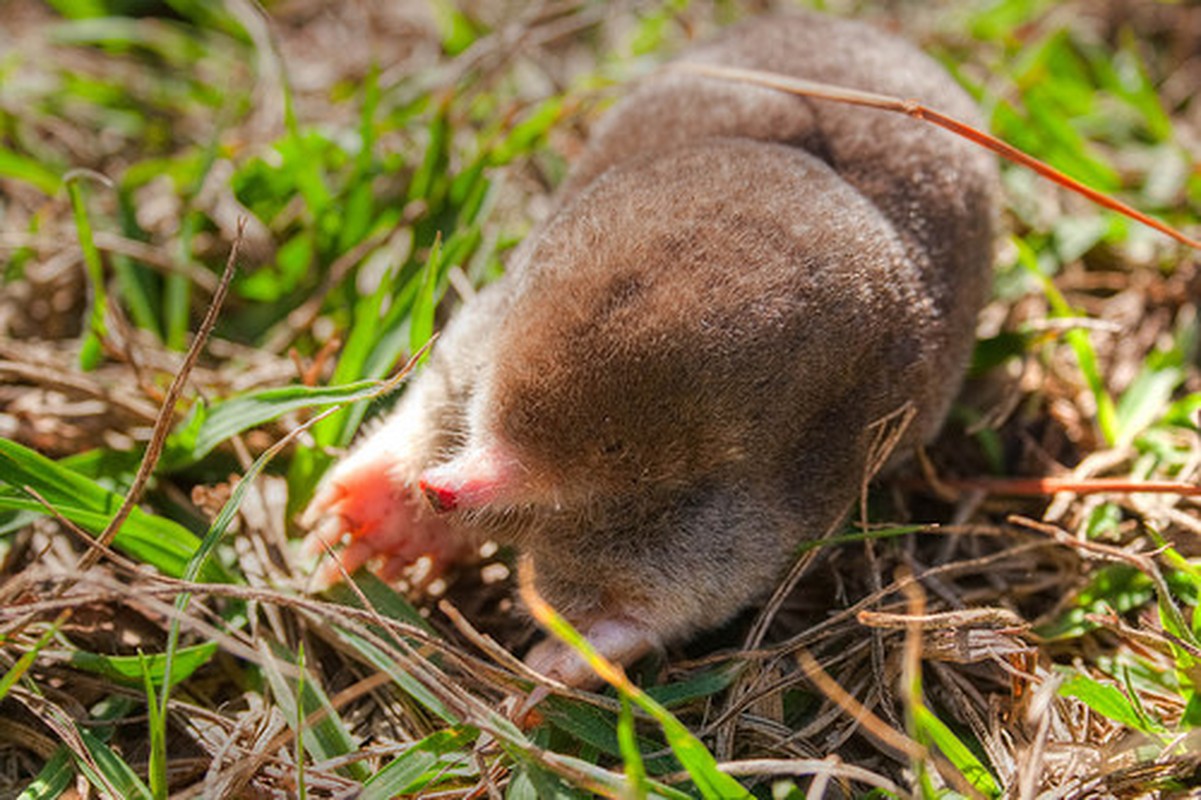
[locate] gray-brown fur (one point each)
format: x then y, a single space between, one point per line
686 359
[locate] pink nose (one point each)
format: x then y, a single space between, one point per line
477 477
440 498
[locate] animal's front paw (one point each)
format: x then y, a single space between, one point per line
369 517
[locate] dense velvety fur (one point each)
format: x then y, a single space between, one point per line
674 384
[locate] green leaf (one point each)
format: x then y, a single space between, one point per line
132 670
1108 701
21 168
114 771
91 352
154 540
208 426
959 754
326 738
440 756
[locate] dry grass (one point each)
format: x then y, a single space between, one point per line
1054 637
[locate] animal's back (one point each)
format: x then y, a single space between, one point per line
933 186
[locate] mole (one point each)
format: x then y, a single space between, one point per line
679 377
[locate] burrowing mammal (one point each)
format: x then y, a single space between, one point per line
674 383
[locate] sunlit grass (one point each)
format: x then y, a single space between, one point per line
366 219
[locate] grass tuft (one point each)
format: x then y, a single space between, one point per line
375 162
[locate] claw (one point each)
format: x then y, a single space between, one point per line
326 532
368 517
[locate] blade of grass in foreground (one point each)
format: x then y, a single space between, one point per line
1109 701
154 540
959 754
19 167
441 756
114 771
308 711
630 754
207 426
693 755
156 723
53 779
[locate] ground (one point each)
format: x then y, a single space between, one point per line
1007 615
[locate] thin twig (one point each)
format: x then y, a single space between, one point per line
913 108
879 730
1044 487
166 416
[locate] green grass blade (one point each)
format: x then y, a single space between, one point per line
132 670
177 289
1108 701
326 738
381 597
210 425
433 163
631 756
531 781
526 135
421 324
458 31
298 751
157 727
442 755
359 206
703 684
114 771
26 659
18 167
403 679
1082 347
934 730
597 729
696 759
155 540
53 779
136 285
92 350
1146 400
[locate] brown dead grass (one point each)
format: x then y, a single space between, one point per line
987 574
